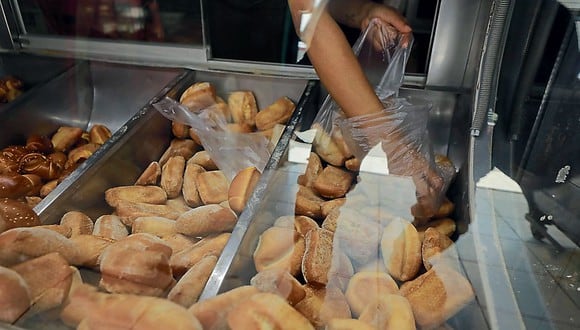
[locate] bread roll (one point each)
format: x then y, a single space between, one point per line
129 211
241 188
276 113
333 182
203 159
14 185
239 128
32 201
178 242
213 245
279 248
366 287
178 204
401 249
280 282
191 284
158 226
313 169
302 224
389 312
434 246
317 256
357 236
212 312
199 96
266 311
20 244
16 214
179 147
66 137
65 231
437 295
445 226
89 249
110 226
78 155
172 176
49 278
137 194
15 298
206 220
189 190
327 148
79 223
47 188
99 134
90 309
150 176
322 305
179 130
137 264
348 324
328 206
243 107
308 203
352 164
213 187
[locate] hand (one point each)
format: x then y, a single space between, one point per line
386 14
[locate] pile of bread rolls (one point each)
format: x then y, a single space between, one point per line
29 172
10 88
344 262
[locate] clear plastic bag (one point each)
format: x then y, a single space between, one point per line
231 151
309 18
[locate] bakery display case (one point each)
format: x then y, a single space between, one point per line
306 242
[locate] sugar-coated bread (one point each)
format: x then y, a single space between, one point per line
266 311
79 223
437 295
276 113
280 282
20 244
206 220
320 305
172 176
212 312
366 286
213 245
279 248
189 189
187 290
212 187
241 188
333 182
110 226
144 194
137 264
49 279
90 309
401 249
389 312
15 298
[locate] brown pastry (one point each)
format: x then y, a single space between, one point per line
99 134
401 249
328 206
203 159
137 264
110 226
47 188
211 245
158 226
317 256
241 188
447 207
59 158
266 311
366 287
144 194
276 113
129 211
193 135
80 223
213 311
333 182
434 244
445 226
8 166
48 277
150 175
15 298
322 305
327 148
213 187
280 282
313 169
352 164
66 137
279 248
179 147
81 153
189 189
191 284
172 176
308 203
14 152
16 214
32 201
437 295
206 220
90 309
243 107
389 312
39 143
89 249
179 130
199 96
21 244
15 186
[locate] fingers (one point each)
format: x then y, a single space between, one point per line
387 15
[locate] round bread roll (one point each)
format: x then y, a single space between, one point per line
389 312
365 287
205 220
110 226
16 214
401 249
279 248
20 244
280 282
15 298
348 324
322 305
80 223
242 187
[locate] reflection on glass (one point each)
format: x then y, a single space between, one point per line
139 20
